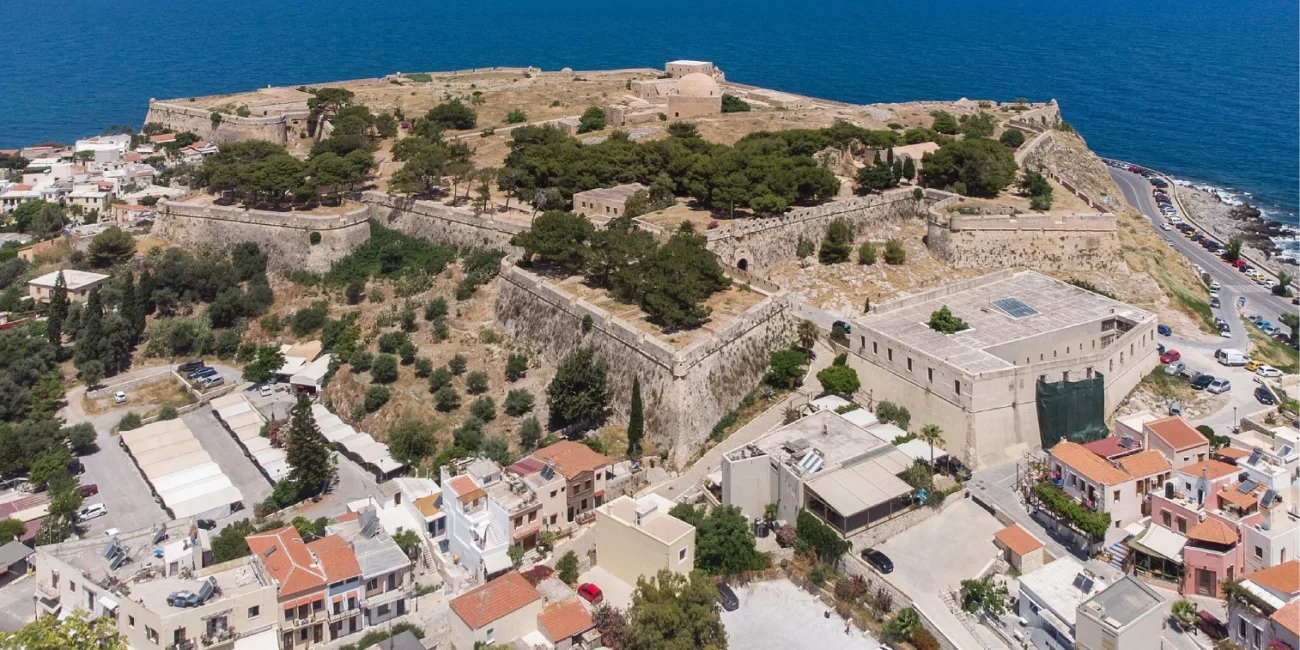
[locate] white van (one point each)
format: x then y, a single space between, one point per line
1232 358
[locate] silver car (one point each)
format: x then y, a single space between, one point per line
1219 385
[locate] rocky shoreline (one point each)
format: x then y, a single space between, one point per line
1224 220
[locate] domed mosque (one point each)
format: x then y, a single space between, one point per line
696 95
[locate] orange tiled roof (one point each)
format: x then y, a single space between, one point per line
565 620
1089 465
489 602
427 505
1288 616
1284 577
1145 463
1213 531
1242 500
465 489
1019 540
351 516
336 558
288 560
162 137
1213 469
1232 452
1177 433
572 458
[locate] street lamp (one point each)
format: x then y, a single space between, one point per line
1234 419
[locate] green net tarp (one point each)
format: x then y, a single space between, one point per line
1074 410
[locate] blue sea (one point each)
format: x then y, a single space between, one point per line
1200 89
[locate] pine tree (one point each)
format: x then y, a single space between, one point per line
308 455
58 311
144 296
636 420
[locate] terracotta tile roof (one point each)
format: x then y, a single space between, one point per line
1213 469
1145 463
1177 433
526 466
287 559
1284 577
1019 540
1087 464
572 458
351 516
336 558
1232 453
1242 500
465 489
564 620
162 137
489 602
1110 446
1213 531
427 505
1288 616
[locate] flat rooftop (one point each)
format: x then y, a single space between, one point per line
835 440
73 278
1000 310
655 520
1065 583
616 193
231 582
88 555
1126 600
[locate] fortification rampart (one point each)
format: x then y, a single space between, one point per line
759 244
441 223
1075 242
229 128
686 391
1039 119
284 237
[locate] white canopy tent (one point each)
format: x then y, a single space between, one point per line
211 505
173 465
186 477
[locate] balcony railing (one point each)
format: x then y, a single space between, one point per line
220 636
47 592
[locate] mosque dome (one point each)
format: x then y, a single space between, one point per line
697 84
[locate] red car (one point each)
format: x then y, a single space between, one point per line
89 489
591 593
1170 356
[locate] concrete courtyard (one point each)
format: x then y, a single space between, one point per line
777 615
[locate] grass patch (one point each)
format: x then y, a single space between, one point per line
421 77
1270 351
1168 386
1187 294
146 399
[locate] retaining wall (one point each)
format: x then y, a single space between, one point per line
285 237
762 243
229 128
1034 240
685 391
441 223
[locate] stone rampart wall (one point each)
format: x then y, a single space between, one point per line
1039 119
1077 242
284 237
231 127
762 243
441 223
685 391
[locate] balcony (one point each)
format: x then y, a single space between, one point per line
315 616
47 593
217 637
184 644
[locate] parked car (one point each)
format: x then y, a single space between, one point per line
1219 385
1170 356
844 325
1214 303
119 397
91 511
265 390
191 365
1175 368
1189 374
214 381
202 371
954 467
1263 396
88 489
1225 331
75 467
206 524
727 598
879 560
1268 371
1253 365
591 593
1164 330
1202 382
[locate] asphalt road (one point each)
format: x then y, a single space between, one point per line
1137 191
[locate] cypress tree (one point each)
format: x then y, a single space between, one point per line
636 420
58 311
308 455
90 340
909 168
144 295
130 310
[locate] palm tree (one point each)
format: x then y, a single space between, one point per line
932 435
808 334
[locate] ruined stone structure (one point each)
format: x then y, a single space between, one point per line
685 390
1073 242
441 223
285 237
1037 120
761 243
178 117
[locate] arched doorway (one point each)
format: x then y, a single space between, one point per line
743 264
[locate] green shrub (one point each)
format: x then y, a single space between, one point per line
1094 524
376 398
476 382
895 254
484 408
130 421
518 402
866 254
944 322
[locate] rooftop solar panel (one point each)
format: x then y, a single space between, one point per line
1014 307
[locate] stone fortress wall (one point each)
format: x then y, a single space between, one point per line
178 117
1071 242
284 237
441 223
1037 120
685 391
759 244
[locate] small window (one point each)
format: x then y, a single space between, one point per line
909 364
1182 525
875 347
553 493
956 386
1259 552
253 612
151 634
681 555
930 374
890 353
1168 519
1114 495
130 621
487 636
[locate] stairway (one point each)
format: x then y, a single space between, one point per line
1118 555
494 534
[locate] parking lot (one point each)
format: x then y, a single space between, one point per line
777 615
122 489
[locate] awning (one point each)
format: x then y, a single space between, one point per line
108 603
496 562
921 450
267 639
859 487
1160 542
337 599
